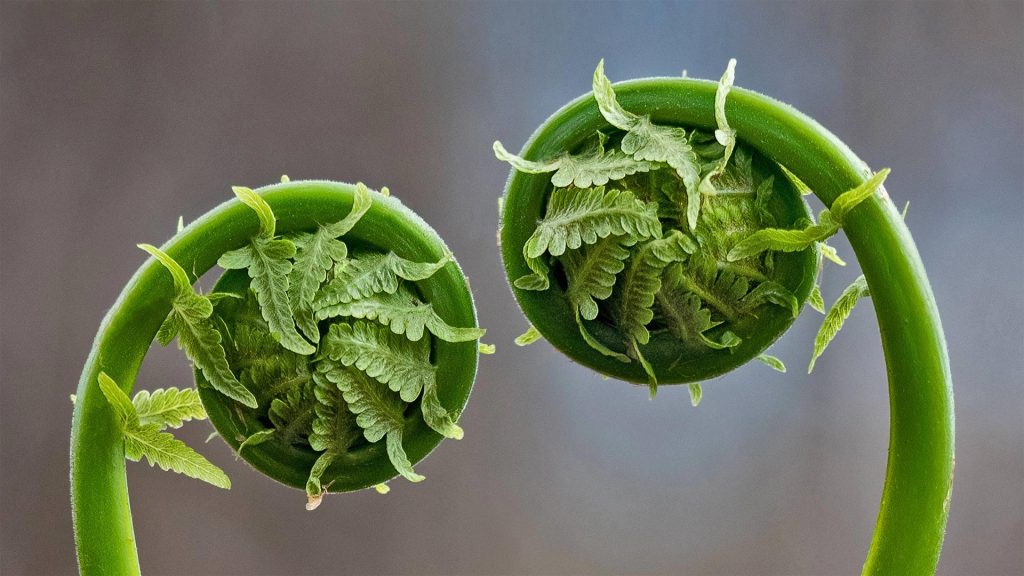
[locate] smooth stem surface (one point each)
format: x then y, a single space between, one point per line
104 536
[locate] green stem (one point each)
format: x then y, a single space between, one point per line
104 535
915 501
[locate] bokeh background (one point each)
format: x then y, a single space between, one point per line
117 118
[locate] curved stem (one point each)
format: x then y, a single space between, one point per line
104 536
915 500
919 477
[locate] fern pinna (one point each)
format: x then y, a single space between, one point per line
656 231
336 351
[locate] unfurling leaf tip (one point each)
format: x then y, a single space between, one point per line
696 393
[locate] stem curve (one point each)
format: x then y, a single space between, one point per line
104 535
915 500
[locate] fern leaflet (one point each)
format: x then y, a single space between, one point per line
378 412
576 217
591 272
645 140
316 254
371 274
404 313
168 408
160 448
190 320
837 315
267 260
594 167
640 282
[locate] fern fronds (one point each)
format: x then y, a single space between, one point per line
390 358
316 254
725 135
334 430
160 448
404 313
378 411
594 167
576 217
529 337
837 316
168 408
371 274
267 260
772 362
771 292
292 413
190 320
591 272
645 140
829 222
639 284
538 280
402 364
686 318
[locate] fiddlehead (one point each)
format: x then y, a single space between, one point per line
336 352
654 231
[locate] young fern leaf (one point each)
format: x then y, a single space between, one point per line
383 355
815 300
402 364
781 240
378 412
268 262
168 408
797 183
536 281
725 135
164 450
371 274
837 315
256 438
688 320
190 320
597 344
591 272
696 393
828 224
119 401
582 216
529 337
160 448
404 313
639 284
770 292
316 253
292 413
772 362
645 140
594 167
849 200
830 254
334 430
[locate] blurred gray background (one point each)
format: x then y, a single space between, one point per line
117 118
